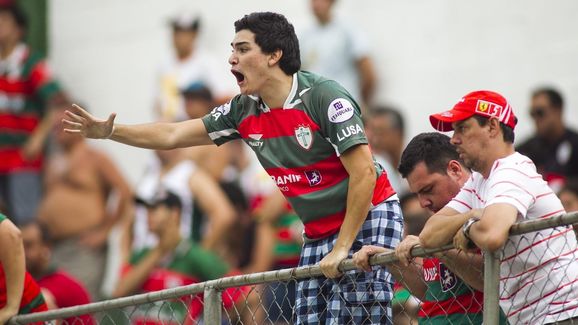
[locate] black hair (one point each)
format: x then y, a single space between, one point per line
17 13
45 234
397 120
507 132
273 32
554 96
433 148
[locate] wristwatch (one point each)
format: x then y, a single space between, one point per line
466 227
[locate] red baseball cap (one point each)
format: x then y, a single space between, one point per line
482 102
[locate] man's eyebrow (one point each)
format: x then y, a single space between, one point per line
239 43
460 123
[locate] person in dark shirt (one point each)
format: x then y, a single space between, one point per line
554 146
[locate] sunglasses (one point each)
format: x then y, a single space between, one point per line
537 112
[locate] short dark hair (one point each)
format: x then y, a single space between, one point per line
17 13
507 132
554 96
397 120
434 149
273 32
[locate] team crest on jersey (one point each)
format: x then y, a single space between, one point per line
448 279
313 176
340 110
304 136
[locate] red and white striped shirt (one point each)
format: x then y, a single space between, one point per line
539 270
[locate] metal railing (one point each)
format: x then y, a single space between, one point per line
212 311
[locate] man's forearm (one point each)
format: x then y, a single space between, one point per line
441 229
162 136
410 277
468 266
359 196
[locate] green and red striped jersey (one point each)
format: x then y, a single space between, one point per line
299 146
26 85
449 300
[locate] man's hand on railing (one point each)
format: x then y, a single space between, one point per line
361 257
403 250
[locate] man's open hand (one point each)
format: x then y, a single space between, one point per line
78 120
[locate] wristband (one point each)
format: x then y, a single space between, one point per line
466 227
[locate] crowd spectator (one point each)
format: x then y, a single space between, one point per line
335 49
308 134
185 65
173 261
59 288
215 161
569 197
85 195
449 284
172 171
538 271
554 146
385 128
28 93
19 293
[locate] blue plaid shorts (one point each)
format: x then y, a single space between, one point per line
357 297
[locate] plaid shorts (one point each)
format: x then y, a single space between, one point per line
357 297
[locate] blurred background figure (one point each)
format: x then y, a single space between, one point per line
172 261
27 93
19 293
185 65
194 187
405 305
199 101
554 146
385 130
59 288
333 48
569 197
85 195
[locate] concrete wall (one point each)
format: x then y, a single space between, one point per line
428 53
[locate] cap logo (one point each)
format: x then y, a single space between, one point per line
488 108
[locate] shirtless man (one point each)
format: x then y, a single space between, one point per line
75 209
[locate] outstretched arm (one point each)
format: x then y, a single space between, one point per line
152 135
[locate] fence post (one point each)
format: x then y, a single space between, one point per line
491 288
212 308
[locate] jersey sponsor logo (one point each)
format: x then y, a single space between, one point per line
488 108
255 140
349 131
448 279
286 179
313 176
304 136
340 110
221 110
430 273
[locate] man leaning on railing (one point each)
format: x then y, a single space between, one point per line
449 284
538 270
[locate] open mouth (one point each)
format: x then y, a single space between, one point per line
238 75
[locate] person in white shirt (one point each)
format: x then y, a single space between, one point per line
335 49
539 270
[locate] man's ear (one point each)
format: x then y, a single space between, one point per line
275 57
495 129
454 169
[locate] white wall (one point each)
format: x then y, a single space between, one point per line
428 53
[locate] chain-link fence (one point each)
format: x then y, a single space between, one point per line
440 286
